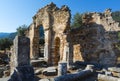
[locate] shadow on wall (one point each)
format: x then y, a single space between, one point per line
92 43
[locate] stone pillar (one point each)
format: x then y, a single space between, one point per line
21 52
21 70
46 47
62 68
35 45
46 51
66 53
89 67
70 55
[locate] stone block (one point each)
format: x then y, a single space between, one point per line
21 70
44 80
23 73
62 68
50 71
75 76
6 73
107 78
114 69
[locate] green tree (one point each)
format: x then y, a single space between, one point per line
77 20
5 43
116 16
21 30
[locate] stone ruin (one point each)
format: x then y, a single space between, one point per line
56 24
21 70
95 41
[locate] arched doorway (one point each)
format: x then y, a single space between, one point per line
56 51
41 41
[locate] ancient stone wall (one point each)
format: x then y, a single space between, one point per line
21 70
56 23
20 56
95 40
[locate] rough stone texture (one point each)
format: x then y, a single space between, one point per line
74 77
50 71
44 80
62 68
56 24
89 67
4 79
107 78
20 56
23 73
114 69
6 73
95 41
21 70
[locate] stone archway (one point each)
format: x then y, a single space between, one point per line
54 20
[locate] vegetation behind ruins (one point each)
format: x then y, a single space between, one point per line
6 41
116 16
77 18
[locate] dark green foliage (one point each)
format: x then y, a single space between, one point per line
118 44
12 35
21 30
119 35
77 20
5 43
116 16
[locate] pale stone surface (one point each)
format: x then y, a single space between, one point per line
95 41
115 69
44 80
56 23
89 67
50 71
77 53
38 71
6 73
21 70
107 78
4 79
20 56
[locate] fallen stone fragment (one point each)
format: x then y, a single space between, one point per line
44 80
115 69
73 77
107 78
50 71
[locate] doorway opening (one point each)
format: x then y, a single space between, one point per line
41 41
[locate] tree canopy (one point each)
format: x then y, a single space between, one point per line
116 16
21 30
5 43
76 20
